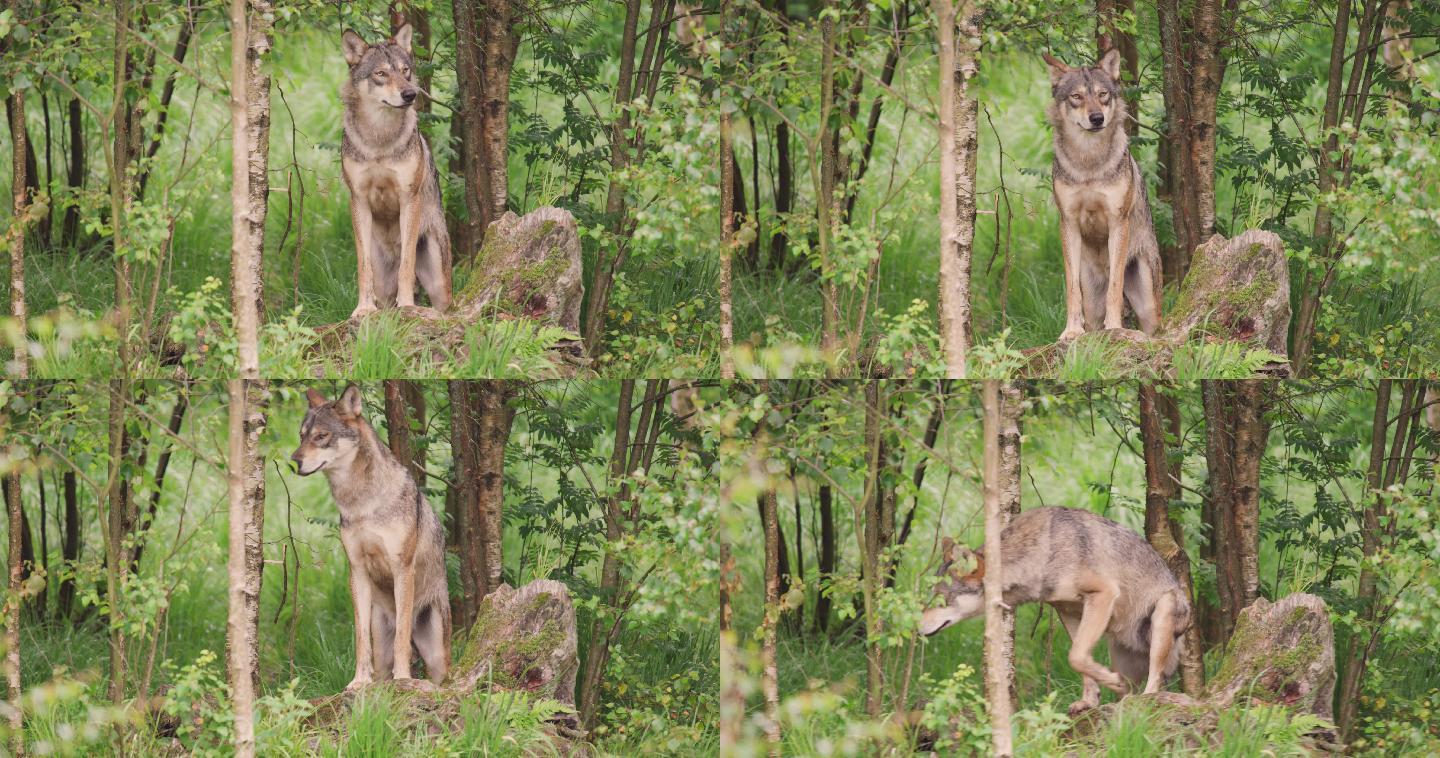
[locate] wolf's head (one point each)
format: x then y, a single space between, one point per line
962 592
330 433
383 73
1086 99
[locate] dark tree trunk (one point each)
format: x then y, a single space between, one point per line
75 170
1236 431
826 569
69 541
1162 486
404 417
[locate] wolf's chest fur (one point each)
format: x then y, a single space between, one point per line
383 182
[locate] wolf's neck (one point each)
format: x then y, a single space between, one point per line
379 131
1086 153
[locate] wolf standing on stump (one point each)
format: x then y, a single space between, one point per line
1103 580
392 539
1108 243
395 202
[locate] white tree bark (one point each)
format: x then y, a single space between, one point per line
999 652
246 480
250 130
12 616
21 366
958 143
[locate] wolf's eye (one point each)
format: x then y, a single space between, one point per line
380 74
1104 97
405 71
1075 97
322 438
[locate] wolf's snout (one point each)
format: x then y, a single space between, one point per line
1097 119
408 95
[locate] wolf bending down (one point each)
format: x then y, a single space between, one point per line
1106 236
392 539
1103 580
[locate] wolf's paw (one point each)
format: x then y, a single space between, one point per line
357 684
1080 706
1070 333
362 310
416 685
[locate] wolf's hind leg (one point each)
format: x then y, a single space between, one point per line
1133 665
1096 616
429 640
1140 292
382 631
1162 639
432 271
1089 688
1092 295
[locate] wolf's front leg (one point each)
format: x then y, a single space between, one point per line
363 224
404 616
360 594
1070 252
1119 256
409 239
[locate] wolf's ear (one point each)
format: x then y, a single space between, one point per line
353 46
1057 69
1110 64
403 37
316 399
349 403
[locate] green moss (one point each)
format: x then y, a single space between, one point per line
524 280
517 655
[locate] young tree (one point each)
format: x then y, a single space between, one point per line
12 614
1390 464
727 241
958 146
1346 103
1235 434
19 213
635 82
732 696
1159 417
770 671
245 479
632 451
999 631
1108 34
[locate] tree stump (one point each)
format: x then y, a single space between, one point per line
523 640
1237 291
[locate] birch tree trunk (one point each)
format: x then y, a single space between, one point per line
115 534
1162 486
470 98
825 202
246 485
249 185
20 368
732 695
958 143
501 42
1012 403
999 652
727 242
770 672
867 532
12 615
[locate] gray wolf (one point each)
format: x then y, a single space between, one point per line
1103 580
392 539
1106 237
395 204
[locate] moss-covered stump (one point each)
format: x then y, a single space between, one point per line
1237 291
523 640
528 266
1281 653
